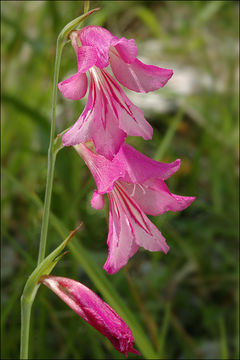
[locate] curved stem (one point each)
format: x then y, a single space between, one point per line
27 301
51 158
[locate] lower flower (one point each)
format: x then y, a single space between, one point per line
92 309
135 187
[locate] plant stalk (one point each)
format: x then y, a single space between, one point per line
51 158
26 307
26 302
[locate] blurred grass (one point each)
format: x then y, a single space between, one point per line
187 300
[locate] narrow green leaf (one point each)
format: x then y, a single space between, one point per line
45 268
164 330
223 339
209 10
169 135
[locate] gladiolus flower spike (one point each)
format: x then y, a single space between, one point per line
135 187
109 116
92 309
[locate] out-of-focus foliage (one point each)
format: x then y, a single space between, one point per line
186 300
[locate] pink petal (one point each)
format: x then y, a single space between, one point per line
154 197
99 122
81 131
129 228
131 118
109 138
135 124
140 168
153 241
93 310
146 234
104 171
107 135
121 240
100 39
137 76
74 87
97 201
127 49
87 57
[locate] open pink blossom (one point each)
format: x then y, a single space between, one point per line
135 187
109 116
92 309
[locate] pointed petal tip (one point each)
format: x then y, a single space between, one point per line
134 351
176 165
109 269
178 162
149 134
191 199
171 72
166 75
138 76
166 248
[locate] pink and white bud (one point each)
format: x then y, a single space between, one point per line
92 309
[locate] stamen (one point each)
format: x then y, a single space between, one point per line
133 192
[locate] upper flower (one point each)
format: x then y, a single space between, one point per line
92 309
135 187
109 115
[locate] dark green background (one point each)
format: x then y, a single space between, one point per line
186 301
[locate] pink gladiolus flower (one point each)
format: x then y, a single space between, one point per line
135 187
92 309
109 115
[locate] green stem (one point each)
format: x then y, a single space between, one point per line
51 157
27 301
26 307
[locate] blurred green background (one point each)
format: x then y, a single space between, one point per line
186 301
